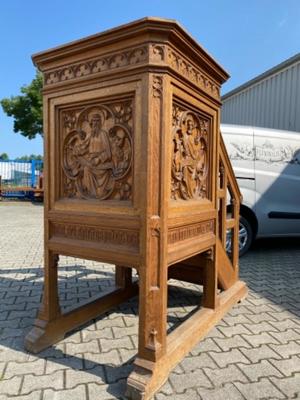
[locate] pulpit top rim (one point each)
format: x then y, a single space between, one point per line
170 29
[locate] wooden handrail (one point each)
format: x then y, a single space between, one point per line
228 184
227 164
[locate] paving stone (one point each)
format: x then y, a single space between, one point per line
114 373
260 353
190 364
57 364
108 344
236 341
76 348
127 355
78 393
74 378
286 350
108 323
107 392
234 330
225 375
262 369
36 382
121 332
105 333
259 390
36 395
229 392
290 386
284 325
10 386
261 308
236 319
259 339
289 366
205 345
56 351
8 354
283 315
286 336
233 356
260 327
215 333
74 337
110 358
190 394
16 368
194 379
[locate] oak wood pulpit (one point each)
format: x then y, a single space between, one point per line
137 175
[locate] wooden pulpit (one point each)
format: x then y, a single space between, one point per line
137 175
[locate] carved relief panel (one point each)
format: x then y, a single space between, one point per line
190 155
97 151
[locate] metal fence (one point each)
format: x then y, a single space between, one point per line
20 178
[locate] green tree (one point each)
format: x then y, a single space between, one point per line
26 109
31 157
4 157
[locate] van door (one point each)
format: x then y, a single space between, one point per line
277 176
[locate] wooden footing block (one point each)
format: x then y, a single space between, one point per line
147 377
45 333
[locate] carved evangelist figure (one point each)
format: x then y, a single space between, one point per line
190 155
97 155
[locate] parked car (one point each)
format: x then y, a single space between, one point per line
266 163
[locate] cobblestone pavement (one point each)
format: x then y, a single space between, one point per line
253 353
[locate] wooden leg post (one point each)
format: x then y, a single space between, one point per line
210 284
145 378
123 276
38 338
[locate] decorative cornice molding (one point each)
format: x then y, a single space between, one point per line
155 53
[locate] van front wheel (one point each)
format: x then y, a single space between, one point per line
245 237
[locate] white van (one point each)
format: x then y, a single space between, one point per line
266 163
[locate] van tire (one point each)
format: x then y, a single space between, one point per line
246 229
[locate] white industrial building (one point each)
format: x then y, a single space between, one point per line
271 100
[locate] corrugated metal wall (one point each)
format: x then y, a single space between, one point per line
274 102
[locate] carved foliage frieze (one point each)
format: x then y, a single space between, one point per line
153 53
96 65
190 155
190 231
182 65
97 151
120 237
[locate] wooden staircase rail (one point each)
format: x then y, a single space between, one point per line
228 271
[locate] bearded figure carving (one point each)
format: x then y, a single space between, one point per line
190 156
97 155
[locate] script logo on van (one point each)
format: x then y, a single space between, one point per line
267 153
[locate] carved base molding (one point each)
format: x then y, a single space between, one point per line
190 231
118 237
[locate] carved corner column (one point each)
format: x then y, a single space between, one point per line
153 271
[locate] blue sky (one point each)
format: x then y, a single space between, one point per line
245 36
